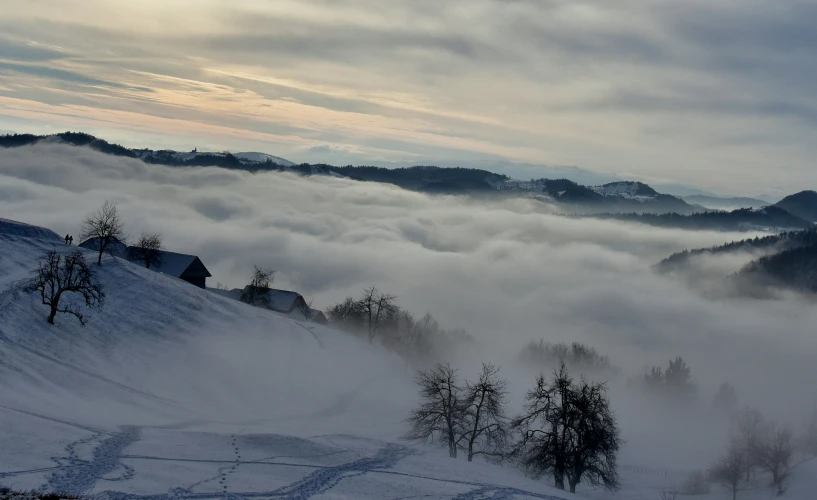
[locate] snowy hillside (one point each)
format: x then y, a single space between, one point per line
626 189
263 157
174 391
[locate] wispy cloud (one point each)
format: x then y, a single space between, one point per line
550 82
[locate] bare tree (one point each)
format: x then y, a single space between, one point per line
348 315
484 421
148 249
750 429
809 442
57 275
105 226
729 470
568 430
669 494
257 293
439 417
377 308
696 483
774 455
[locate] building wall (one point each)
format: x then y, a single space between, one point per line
199 282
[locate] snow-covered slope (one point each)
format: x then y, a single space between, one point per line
627 189
174 391
263 157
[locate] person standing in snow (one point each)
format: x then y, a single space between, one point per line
70 240
66 239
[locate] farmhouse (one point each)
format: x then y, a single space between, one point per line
185 267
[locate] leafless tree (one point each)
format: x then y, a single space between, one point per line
730 469
774 455
439 417
348 315
57 275
696 483
485 424
106 226
750 430
669 494
568 430
377 308
257 293
809 442
148 249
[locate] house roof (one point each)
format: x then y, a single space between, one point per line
180 265
281 300
115 247
316 315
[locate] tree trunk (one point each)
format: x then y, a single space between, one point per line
559 480
53 313
470 451
99 260
573 485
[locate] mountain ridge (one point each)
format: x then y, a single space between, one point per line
612 197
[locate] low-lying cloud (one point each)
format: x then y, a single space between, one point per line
507 271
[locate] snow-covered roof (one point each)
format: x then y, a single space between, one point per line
180 265
15 228
282 300
115 247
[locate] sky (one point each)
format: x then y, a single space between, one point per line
716 94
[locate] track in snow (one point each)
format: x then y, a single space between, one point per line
82 476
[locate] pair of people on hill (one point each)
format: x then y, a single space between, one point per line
69 240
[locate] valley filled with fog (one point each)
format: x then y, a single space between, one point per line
508 271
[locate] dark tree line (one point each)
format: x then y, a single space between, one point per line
377 316
675 381
576 356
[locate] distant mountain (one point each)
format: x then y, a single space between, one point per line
744 219
254 157
719 203
620 197
72 138
767 245
795 269
802 204
426 178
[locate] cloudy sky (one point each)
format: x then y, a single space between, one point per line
716 93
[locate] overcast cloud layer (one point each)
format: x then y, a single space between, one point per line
508 272
715 93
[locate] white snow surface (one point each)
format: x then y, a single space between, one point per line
172 391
